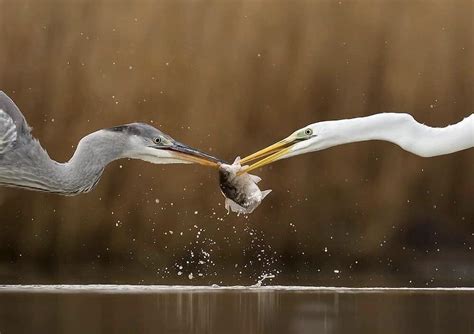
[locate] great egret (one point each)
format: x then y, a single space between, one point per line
398 128
25 164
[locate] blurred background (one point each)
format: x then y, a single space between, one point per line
231 77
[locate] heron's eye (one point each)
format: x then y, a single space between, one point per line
308 132
158 140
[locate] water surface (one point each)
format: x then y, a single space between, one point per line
202 309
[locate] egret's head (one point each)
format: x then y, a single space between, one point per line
144 142
298 142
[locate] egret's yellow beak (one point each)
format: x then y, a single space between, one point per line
272 153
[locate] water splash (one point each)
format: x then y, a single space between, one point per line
262 278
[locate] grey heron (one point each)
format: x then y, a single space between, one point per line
25 164
398 128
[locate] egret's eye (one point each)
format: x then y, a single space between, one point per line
308 132
158 140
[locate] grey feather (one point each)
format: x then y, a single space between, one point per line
10 108
8 132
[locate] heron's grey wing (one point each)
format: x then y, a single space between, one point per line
11 114
8 132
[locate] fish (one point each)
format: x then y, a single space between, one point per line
242 195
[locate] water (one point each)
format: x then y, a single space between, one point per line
203 309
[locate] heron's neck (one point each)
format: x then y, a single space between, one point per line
80 174
403 130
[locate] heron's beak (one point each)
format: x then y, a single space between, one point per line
192 155
272 153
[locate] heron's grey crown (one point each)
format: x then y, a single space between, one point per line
137 129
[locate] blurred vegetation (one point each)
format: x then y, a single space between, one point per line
231 77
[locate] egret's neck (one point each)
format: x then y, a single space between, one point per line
402 130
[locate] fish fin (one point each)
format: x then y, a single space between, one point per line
265 193
255 178
234 207
227 205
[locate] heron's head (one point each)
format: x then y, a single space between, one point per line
301 141
144 142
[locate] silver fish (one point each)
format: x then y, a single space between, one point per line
241 192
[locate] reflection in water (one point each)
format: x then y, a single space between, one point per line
114 309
